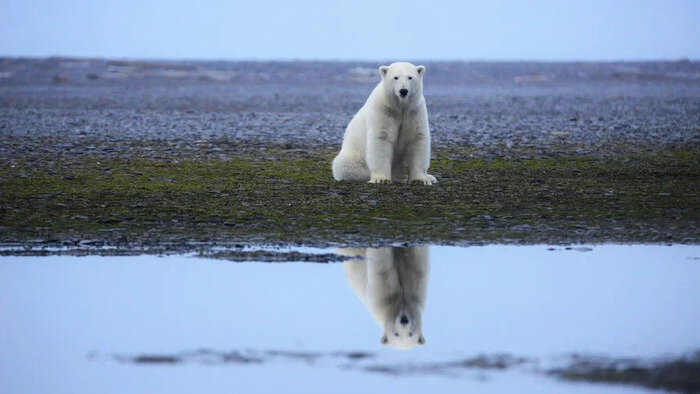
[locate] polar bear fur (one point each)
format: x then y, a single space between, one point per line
392 283
389 137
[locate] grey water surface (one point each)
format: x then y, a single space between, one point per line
496 318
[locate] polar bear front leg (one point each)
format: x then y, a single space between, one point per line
419 160
380 151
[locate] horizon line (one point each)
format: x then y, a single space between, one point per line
350 60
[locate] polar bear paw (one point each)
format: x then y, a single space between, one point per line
380 180
420 182
423 180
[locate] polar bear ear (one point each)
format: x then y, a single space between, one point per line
385 340
421 70
421 340
383 70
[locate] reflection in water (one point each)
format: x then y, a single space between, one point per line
632 319
391 283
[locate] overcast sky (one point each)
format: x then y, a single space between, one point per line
361 29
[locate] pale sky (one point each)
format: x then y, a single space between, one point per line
362 29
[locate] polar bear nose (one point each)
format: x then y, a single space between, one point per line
404 320
403 92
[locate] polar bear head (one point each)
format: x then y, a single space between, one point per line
403 328
403 80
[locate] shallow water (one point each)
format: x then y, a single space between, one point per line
190 324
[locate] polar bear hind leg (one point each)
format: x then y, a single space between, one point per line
350 168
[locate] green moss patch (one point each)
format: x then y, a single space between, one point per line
289 196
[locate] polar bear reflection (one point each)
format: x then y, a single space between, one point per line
392 282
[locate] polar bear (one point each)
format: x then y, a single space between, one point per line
392 284
389 137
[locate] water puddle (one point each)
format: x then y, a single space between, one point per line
544 319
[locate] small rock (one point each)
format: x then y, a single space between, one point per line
59 78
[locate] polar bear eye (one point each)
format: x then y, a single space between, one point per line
396 334
396 77
410 77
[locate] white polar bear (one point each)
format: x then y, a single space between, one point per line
392 284
389 137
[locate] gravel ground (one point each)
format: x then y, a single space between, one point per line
485 105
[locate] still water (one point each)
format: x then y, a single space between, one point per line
478 319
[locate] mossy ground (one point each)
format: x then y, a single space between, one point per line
289 196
